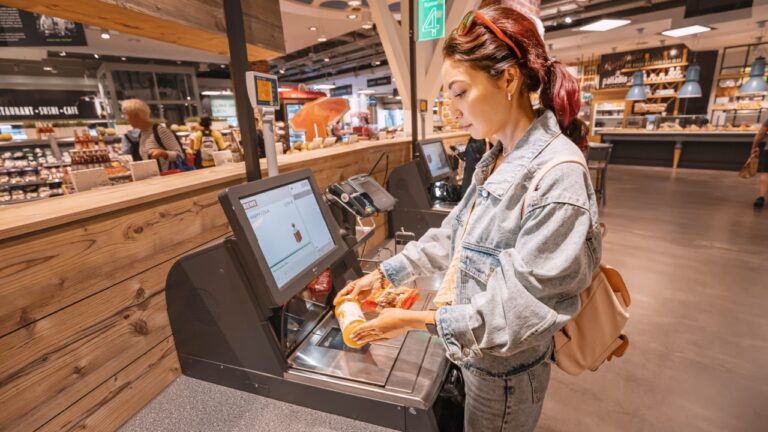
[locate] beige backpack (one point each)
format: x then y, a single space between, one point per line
595 333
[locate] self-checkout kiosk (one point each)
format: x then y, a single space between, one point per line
243 317
425 188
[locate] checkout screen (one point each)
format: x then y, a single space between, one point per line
436 159
290 229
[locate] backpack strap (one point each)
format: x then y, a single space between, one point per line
542 172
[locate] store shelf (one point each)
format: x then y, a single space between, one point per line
677 80
664 66
46 142
673 95
608 117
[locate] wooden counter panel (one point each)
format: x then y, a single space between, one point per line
45 273
46 386
116 400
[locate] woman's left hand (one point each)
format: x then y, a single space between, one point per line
158 153
391 323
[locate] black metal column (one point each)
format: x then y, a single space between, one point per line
412 20
238 58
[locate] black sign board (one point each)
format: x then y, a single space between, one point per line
616 69
46 105
22 28
381 81
344 90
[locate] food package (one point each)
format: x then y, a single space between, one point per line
322 283
391 297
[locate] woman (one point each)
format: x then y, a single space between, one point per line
762 167
512 275
155 141
206 141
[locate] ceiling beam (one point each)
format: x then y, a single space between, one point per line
192 23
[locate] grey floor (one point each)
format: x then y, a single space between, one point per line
695 257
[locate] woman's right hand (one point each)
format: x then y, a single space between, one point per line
364 285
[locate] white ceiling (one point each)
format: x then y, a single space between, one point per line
731 28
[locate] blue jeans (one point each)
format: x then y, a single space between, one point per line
504 404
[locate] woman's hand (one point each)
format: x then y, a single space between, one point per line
390 323
158 154
364 285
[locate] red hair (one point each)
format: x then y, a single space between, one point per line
482 50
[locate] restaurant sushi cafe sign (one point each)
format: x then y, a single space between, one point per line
46 105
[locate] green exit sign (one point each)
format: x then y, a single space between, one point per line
431 19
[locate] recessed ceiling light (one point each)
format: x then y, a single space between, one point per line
47 68
354 3
283 89
210 93
282 70
96 56
686 31
352 16
366 91
326 59
568 19
105 34
367 25
123 58
312 28
322 38
223 66
605 24
63 53
325 86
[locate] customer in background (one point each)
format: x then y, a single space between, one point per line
762 165
155 140
205 143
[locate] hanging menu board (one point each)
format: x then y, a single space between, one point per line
21 28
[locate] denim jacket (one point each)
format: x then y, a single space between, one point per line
519 275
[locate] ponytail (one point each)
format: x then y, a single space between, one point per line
560 94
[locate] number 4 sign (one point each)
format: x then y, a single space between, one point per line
431 19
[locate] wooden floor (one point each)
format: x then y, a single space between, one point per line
695 257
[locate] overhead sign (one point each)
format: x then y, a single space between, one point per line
431 19
21 28
46 105
380 81
223 106
262 89
344 90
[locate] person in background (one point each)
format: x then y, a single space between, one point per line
205 142
762 166
155 140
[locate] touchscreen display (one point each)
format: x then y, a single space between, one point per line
436 159
290 228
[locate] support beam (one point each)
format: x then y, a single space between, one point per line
394 47
196 24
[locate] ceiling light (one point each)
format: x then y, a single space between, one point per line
366 91
354 3
686 31
398 97
105 34
283 89
325 86
189 98
312 28
326 59
322 38
96 56
223 66
123 58
210 93
54 70
375 63
367 25
605 24
63 53
352 16
47 68
178 61
568 20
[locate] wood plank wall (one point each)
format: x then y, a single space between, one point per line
85 340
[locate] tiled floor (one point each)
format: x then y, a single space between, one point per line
695 257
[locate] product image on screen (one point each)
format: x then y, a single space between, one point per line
290 228
436 160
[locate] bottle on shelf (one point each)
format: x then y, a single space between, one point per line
78 142
350 317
